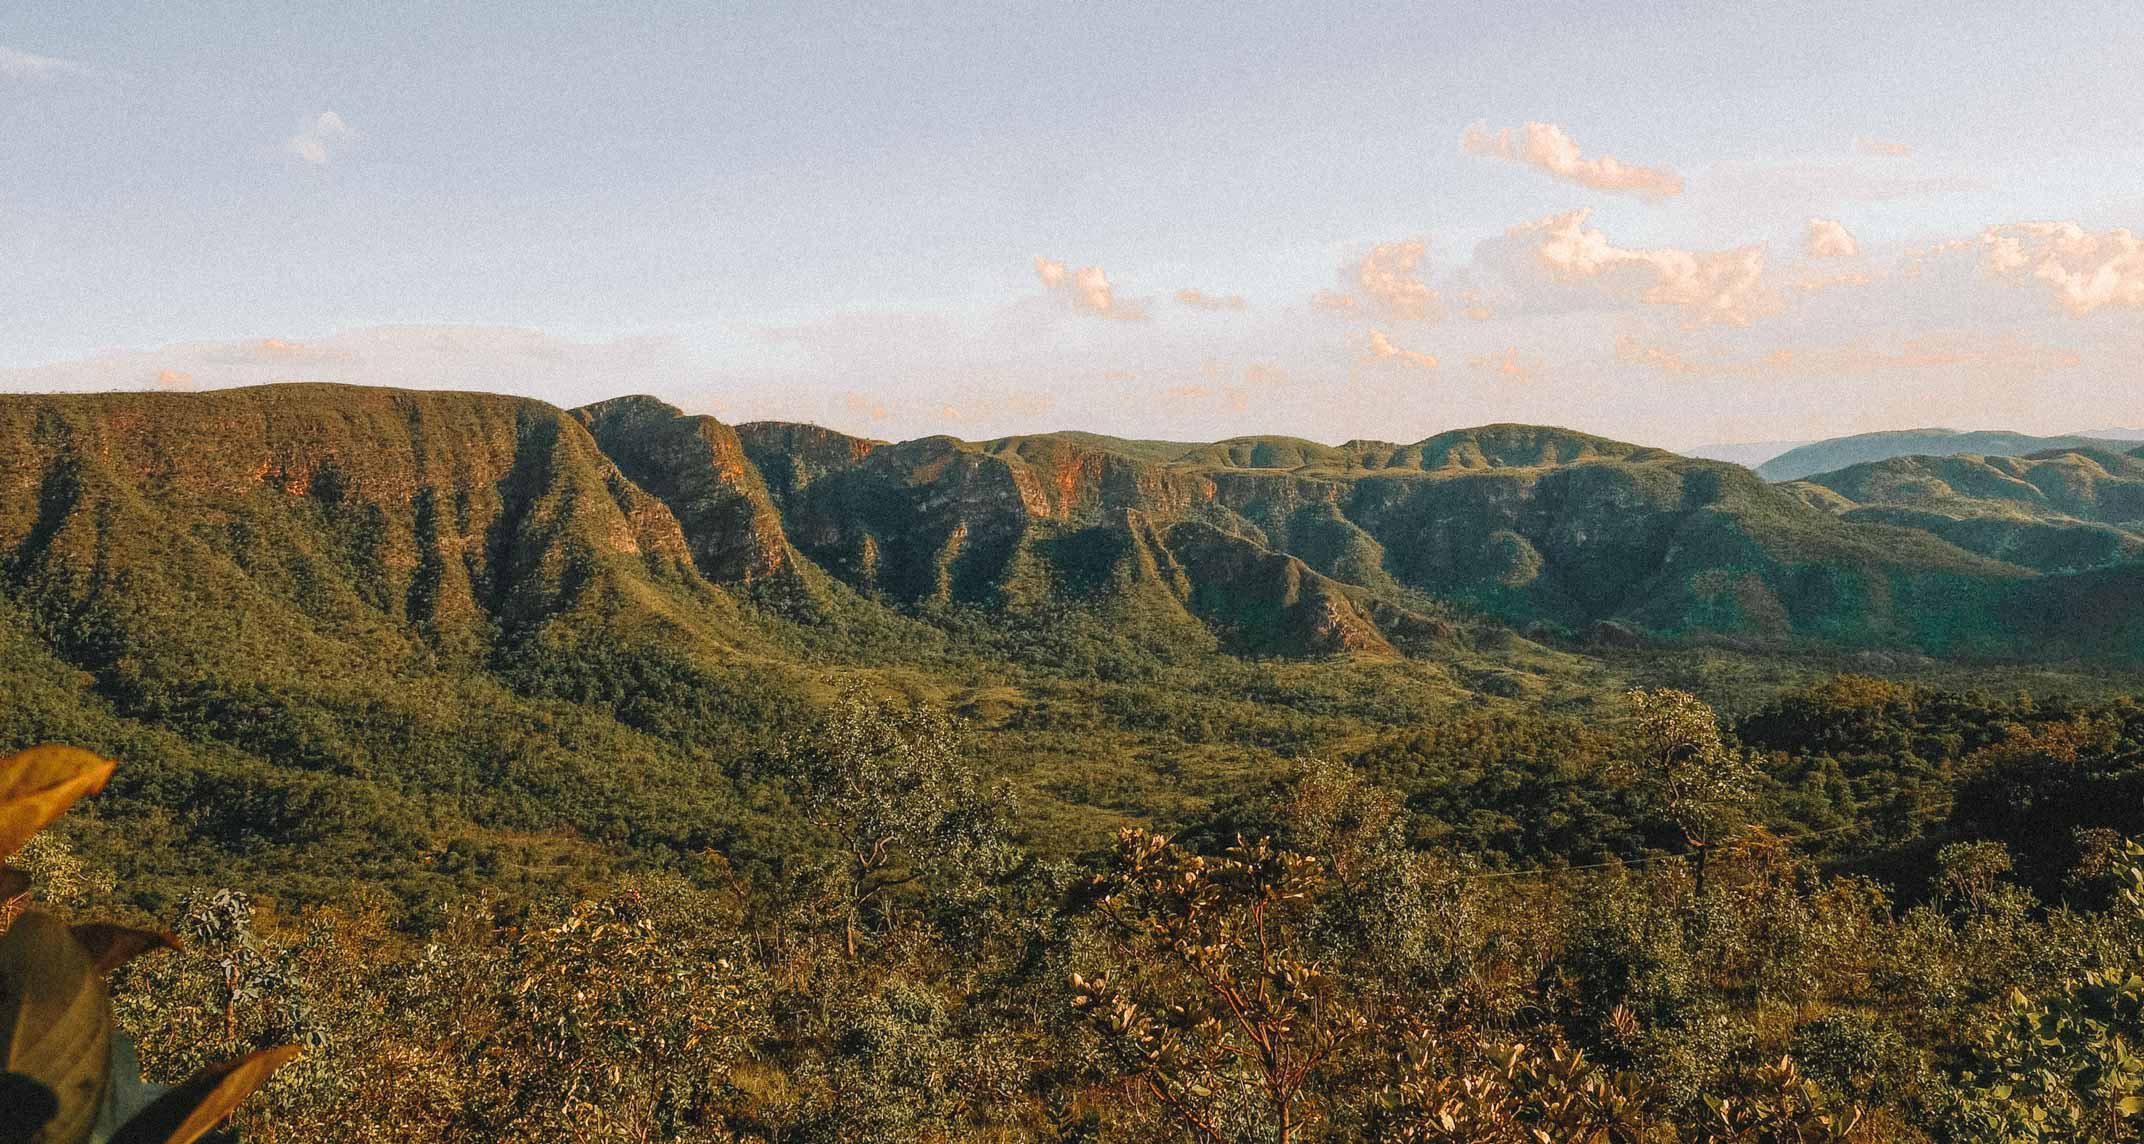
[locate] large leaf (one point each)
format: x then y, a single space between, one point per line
55 1021
111 946
39 785
188 1112
128 1095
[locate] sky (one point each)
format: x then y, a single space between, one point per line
1671 223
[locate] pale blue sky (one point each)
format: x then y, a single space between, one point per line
810 211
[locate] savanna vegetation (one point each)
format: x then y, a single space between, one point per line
1862 910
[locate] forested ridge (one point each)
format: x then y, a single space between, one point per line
619 774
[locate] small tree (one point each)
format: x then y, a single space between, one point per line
889 783
1685 774
619 1021
1217 1007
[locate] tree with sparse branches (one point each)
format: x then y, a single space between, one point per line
1217 1006
1686 773
890 784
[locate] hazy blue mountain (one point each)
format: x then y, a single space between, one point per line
1748 454
1837 453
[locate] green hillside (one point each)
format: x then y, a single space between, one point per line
2058 511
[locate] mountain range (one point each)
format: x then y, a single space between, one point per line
470 524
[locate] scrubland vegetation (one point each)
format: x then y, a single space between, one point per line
1480 929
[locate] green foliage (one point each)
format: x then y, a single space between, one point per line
2069 1064
1215 1000
889 789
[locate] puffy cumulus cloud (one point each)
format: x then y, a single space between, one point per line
1087 289
1828 238
2084 271
1198 299
1383 350
1724 287
1549 148
1883 148
21 65
176 379
322 139
1385 282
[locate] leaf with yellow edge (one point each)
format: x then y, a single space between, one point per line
111 946
55 1021
190 1111
39 785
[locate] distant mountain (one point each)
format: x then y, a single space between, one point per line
2117 434
1841 452
1748 454
2064 510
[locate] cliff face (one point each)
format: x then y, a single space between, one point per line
698 468
468 523
447 519
1525 523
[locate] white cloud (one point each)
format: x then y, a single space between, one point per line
1723 287
15 64
1549 148
1509 365
1385 283
1829 239
1088 290
2084 271
323 139
1382 349
1200 300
